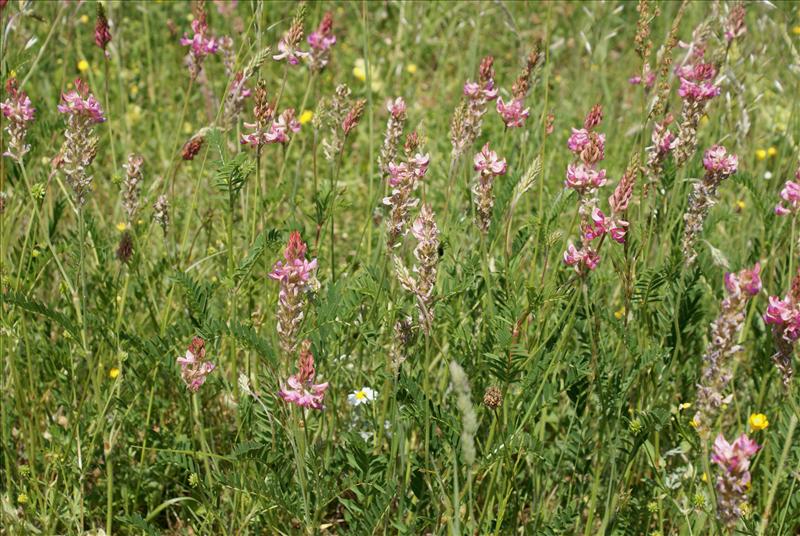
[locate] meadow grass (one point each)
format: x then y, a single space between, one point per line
441 378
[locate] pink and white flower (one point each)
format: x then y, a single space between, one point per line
194 367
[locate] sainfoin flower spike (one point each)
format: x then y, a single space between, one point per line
194 366
321 40
514 112
586 178
733 482
489 166
404 178
19 112
102 34
201 43
790 194
719 166
394 133
466 125
80 147
132 185
723 345
783 316
696 89
289 45
296 275
300 388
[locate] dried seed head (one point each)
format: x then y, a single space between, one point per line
192 147
493 398
125 248
353 116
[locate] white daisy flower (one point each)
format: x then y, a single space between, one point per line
365 395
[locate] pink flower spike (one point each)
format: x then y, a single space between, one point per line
778 311
578 140
512 113
80 102
717 160
397 108
487 162
300 388
194 367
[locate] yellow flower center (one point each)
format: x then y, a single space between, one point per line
360 395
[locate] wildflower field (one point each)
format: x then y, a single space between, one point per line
460 268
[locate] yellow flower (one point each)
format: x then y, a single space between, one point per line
772 151
761 154
83 66
22 498
685 405
796 30
619 313
121 226
306 116
113 373
360 69
12 74
695 422
740 205
704 478
84 19
35 252
411 68
758 421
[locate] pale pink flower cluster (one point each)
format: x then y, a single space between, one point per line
19 111
394 132
279 130
783 315
696 89
80 146
489 166
81 103
404 179
468 119
321 40
200 44
238 92
289 45
513 113
426 252
585 178
649 78
194 367
300 388
663 143
733 482
132 185
719 166
295 275
735 26
791 196
723 345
